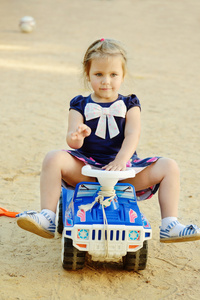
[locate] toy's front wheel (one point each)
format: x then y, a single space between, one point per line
135 261
72 258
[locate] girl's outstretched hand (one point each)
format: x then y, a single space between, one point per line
115 165
81 132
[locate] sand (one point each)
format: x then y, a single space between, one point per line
40 72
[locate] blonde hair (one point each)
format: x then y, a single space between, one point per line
103 48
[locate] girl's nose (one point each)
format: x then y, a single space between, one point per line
105 80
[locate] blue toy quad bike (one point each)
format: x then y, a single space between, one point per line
104 220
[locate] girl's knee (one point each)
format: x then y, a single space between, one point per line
52 158
170 165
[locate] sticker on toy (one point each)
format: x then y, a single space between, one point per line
132 215
81 215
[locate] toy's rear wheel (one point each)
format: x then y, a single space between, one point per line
135 261
59 215
72 258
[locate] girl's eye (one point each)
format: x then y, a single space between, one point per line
113 75
98 74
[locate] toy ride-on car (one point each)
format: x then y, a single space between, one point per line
103 219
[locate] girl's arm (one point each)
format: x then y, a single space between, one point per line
77 130
131 139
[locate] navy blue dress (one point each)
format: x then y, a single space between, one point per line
107 122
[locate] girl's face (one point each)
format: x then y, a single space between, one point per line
106 76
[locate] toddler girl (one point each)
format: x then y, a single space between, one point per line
104 130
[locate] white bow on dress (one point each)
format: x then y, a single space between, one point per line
117 109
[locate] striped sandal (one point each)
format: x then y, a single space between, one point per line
189 233
31 221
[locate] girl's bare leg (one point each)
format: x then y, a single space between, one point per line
58 165
166 172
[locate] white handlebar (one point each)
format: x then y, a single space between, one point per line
107 178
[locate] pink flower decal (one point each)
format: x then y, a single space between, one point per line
132 215
81 215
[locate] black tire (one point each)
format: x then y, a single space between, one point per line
60 212
73 259
135 261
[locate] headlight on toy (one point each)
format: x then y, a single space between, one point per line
83 234
134 235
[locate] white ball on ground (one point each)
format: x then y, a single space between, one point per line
27 24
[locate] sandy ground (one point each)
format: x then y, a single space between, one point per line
40 73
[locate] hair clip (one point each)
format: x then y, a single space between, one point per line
102 40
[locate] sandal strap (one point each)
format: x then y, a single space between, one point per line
171 226
26 212
52 225
188 230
